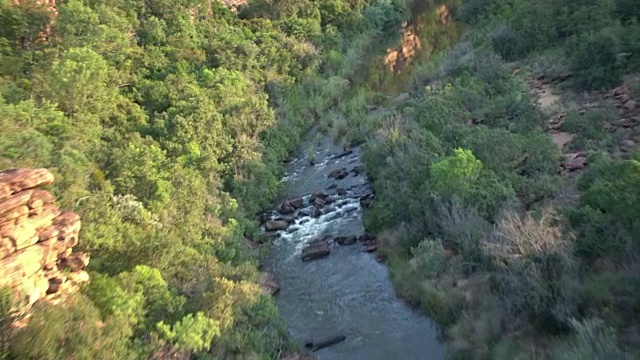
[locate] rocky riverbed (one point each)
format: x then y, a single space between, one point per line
331 281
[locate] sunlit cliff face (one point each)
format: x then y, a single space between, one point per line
397 59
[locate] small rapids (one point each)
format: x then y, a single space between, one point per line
349 292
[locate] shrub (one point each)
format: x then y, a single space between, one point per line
590 128
627 10
72 331
442 302
430 259
535 270
456 174
399 159
471 10
462 175
595 59
475 331
592 340
193 333
630 51
608 219
509 43
463 229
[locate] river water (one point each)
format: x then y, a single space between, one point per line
349 292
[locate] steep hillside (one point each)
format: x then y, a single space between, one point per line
165 124
507 178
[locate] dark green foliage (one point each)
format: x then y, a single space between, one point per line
466 179
595 59
166 124
627 10
607 219
509 43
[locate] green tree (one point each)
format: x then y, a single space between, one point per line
193 333
456 174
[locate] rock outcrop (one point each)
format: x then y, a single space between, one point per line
36 239
317 249
398 58
268 284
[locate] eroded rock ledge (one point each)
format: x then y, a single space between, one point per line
37 238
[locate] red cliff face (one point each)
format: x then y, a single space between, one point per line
36 239
397 59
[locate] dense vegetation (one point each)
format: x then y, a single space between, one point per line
480 228
166 123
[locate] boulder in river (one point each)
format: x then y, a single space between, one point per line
332 186
303 213
296 202
366 237
343 154
268 284
357 170
317 249
366 200
286 208
316 345
345 240
371 248
319 203
293 229
289 219
338 174
328 210
315 212
316 195
275 225
341 192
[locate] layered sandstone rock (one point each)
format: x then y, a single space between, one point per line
36 238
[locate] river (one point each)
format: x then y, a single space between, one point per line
349 292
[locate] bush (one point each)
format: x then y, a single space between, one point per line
442 302
535 271
72 331
627 10
464 229
430 259
590 128
592 340
462 175
476 330
192 333
509 43
472 10
608 219
399 160
595 59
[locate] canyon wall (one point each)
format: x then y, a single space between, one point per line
37 238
